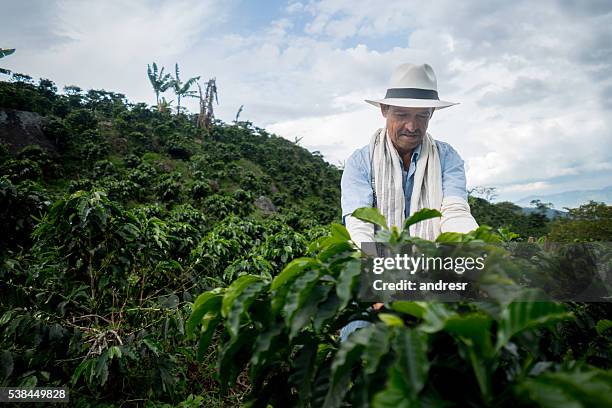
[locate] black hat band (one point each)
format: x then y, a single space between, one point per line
412 93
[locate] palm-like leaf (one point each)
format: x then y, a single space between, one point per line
159 81
182 89
4 51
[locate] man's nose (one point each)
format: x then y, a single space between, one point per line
409 125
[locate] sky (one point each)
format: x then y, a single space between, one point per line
533 79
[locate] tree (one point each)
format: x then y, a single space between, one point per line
488 193
589 222
543 207
3 53
238 113
159 81
182 89
207 115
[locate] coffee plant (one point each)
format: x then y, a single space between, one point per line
283 331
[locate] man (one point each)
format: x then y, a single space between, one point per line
403 169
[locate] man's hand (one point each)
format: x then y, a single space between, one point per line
378 306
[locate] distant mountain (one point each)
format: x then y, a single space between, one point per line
571 199
551 213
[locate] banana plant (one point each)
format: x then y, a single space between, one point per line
283 332
182 89
159 81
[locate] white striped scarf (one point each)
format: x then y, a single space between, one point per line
388 181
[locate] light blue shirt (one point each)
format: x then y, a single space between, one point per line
357 188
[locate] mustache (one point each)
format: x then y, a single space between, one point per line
417 133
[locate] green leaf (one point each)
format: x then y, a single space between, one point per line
421 215
263 349
412 362
335 248
321 382
230 361
327 310
527 315
298 294
450 237
114 351
210 321
206 302
376 348
415 309
347 281
592 388
303 372
408 375
339 232
308 309
434 315
102 368
396 394
292 270
234 290
391 320
85 365
603 325
240 306
371 215
153 345
369 345
6 364
474 330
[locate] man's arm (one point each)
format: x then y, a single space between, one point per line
357 193
456 216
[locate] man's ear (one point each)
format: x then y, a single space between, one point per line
432 111
383 110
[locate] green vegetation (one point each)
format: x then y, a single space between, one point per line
500 352
149 261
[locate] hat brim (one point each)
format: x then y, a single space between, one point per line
412 103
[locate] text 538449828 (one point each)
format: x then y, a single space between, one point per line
34 394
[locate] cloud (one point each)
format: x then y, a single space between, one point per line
538 186
37 37
524 91
108 44
534 78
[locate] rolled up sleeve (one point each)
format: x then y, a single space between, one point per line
356 190
453 172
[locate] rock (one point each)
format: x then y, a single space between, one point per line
214 186
20 128
265 205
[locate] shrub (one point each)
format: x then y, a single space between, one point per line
283 333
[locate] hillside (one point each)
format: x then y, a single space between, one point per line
97 140
118 199
146 261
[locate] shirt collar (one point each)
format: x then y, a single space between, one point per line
415 156
416 152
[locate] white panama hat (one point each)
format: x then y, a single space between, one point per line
413 86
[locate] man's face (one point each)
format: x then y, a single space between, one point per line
406 126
